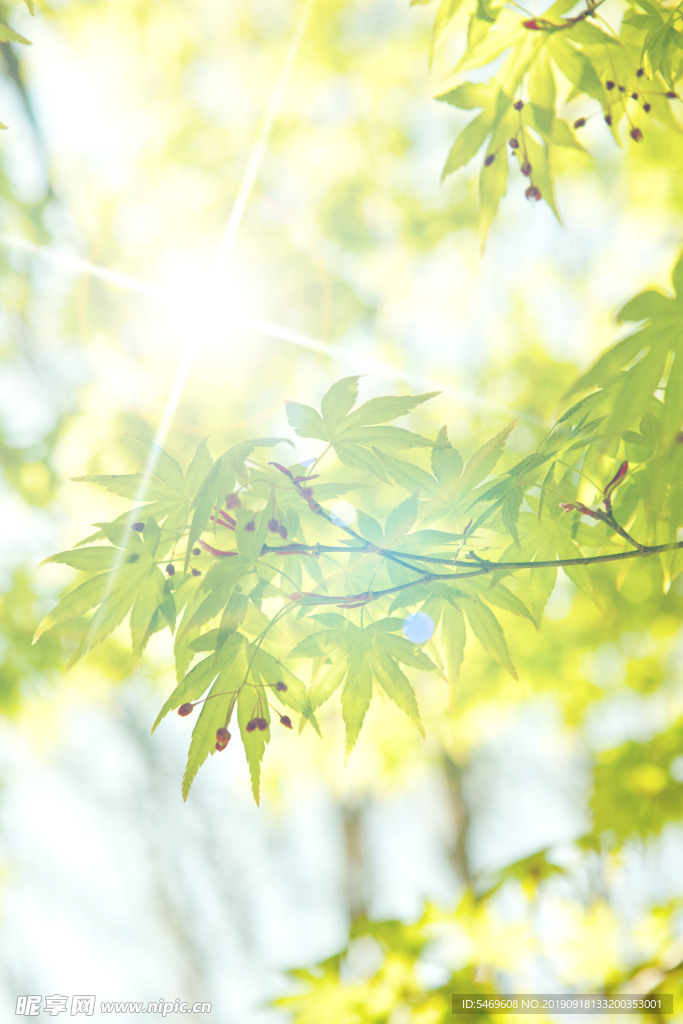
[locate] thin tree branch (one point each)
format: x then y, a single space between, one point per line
483 568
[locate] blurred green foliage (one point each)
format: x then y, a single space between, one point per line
346 223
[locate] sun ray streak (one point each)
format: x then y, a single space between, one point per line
354 359
259 150
68 261
253 166
358 360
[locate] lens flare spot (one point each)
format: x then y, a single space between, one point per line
418 627
342 513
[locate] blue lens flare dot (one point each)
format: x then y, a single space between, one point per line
418 627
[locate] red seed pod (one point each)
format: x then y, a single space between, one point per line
526 168
514 144
636 134
196 572
232 501
634 95
489 159
282 469
531 24
170 569
138 527
286 721
273 525
647 107
185 709
251 725
280 686
608 118
250 526
518 105
283 532
580 122
609 85
223 519
640 72
261 724
533 193
196 551
671 95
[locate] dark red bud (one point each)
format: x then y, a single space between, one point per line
489 159
636 134
640 72
138 527
251 725
261 724
222 739
616 479
196 551
609 85
514 144
622 88
286 720
672 95
250 526
580 122
608 118
647 107
185 709
280 686
170 569
577 506
533 193
518 105
526 169
273 525
634 95
283 532
531 24
232 501
196 572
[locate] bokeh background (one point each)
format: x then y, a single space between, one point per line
533 840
